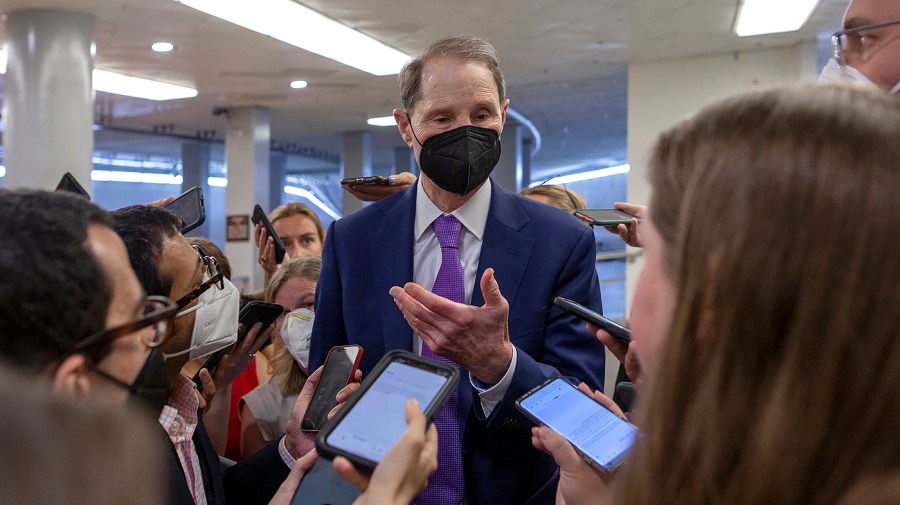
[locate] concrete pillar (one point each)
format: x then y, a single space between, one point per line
508 172
48 106
527 146
277 172
247 160
195 172
356 161
405 160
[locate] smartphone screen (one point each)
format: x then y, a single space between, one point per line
603 217
377 420
592 428
189 208
339 367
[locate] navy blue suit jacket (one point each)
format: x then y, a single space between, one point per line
537 252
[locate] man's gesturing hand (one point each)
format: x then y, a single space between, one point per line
475 337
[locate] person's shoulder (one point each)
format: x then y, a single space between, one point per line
547 220
376 211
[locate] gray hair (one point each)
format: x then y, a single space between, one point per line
464 47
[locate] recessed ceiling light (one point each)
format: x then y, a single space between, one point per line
756 16
162 47
382 121
298 25
298 84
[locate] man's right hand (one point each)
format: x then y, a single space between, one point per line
399 182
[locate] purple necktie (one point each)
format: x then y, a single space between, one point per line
445 487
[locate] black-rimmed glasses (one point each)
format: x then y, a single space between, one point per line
216 278
158 311
850 40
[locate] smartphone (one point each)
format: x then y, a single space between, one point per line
600 436
259 217
619 332
252 313
70 184
604 217
373 180
323 486
189 207
373 419
340 365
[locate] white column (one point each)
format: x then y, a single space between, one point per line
48 103
508 172
247 160
662 93
356 161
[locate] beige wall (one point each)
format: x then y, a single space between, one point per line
662 93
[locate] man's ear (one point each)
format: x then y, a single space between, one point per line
503 108
70 379
403 125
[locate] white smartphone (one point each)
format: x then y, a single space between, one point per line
601 437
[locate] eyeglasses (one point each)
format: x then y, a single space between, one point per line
850 41
158 312
216 278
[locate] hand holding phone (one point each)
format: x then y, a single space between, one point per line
604 217
254 312
259 217
340 365
373 419
602 438
189 207
618 331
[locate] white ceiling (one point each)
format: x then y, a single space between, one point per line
565 63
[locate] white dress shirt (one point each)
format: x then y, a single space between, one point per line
427 262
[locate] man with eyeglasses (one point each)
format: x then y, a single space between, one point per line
867 50
73 310
206 322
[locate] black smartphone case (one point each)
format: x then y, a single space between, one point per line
259 217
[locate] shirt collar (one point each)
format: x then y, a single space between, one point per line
182 402
472 214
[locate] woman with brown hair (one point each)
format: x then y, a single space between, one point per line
773 271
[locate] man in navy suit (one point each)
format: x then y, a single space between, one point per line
502 257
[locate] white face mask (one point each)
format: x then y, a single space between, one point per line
215 322
296 331
834 74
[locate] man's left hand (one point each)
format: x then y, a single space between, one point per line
475 337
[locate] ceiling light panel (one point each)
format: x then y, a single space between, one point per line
119 84
760 17
305 28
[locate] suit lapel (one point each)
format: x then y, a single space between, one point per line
505 248
391 246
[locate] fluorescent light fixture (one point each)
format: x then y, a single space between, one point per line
2 171
382 121
137 87
294 190
585 176
759 17
162 47
298 84
119 84
295 24
147 178
218 182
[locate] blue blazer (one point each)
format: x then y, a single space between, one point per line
537 252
